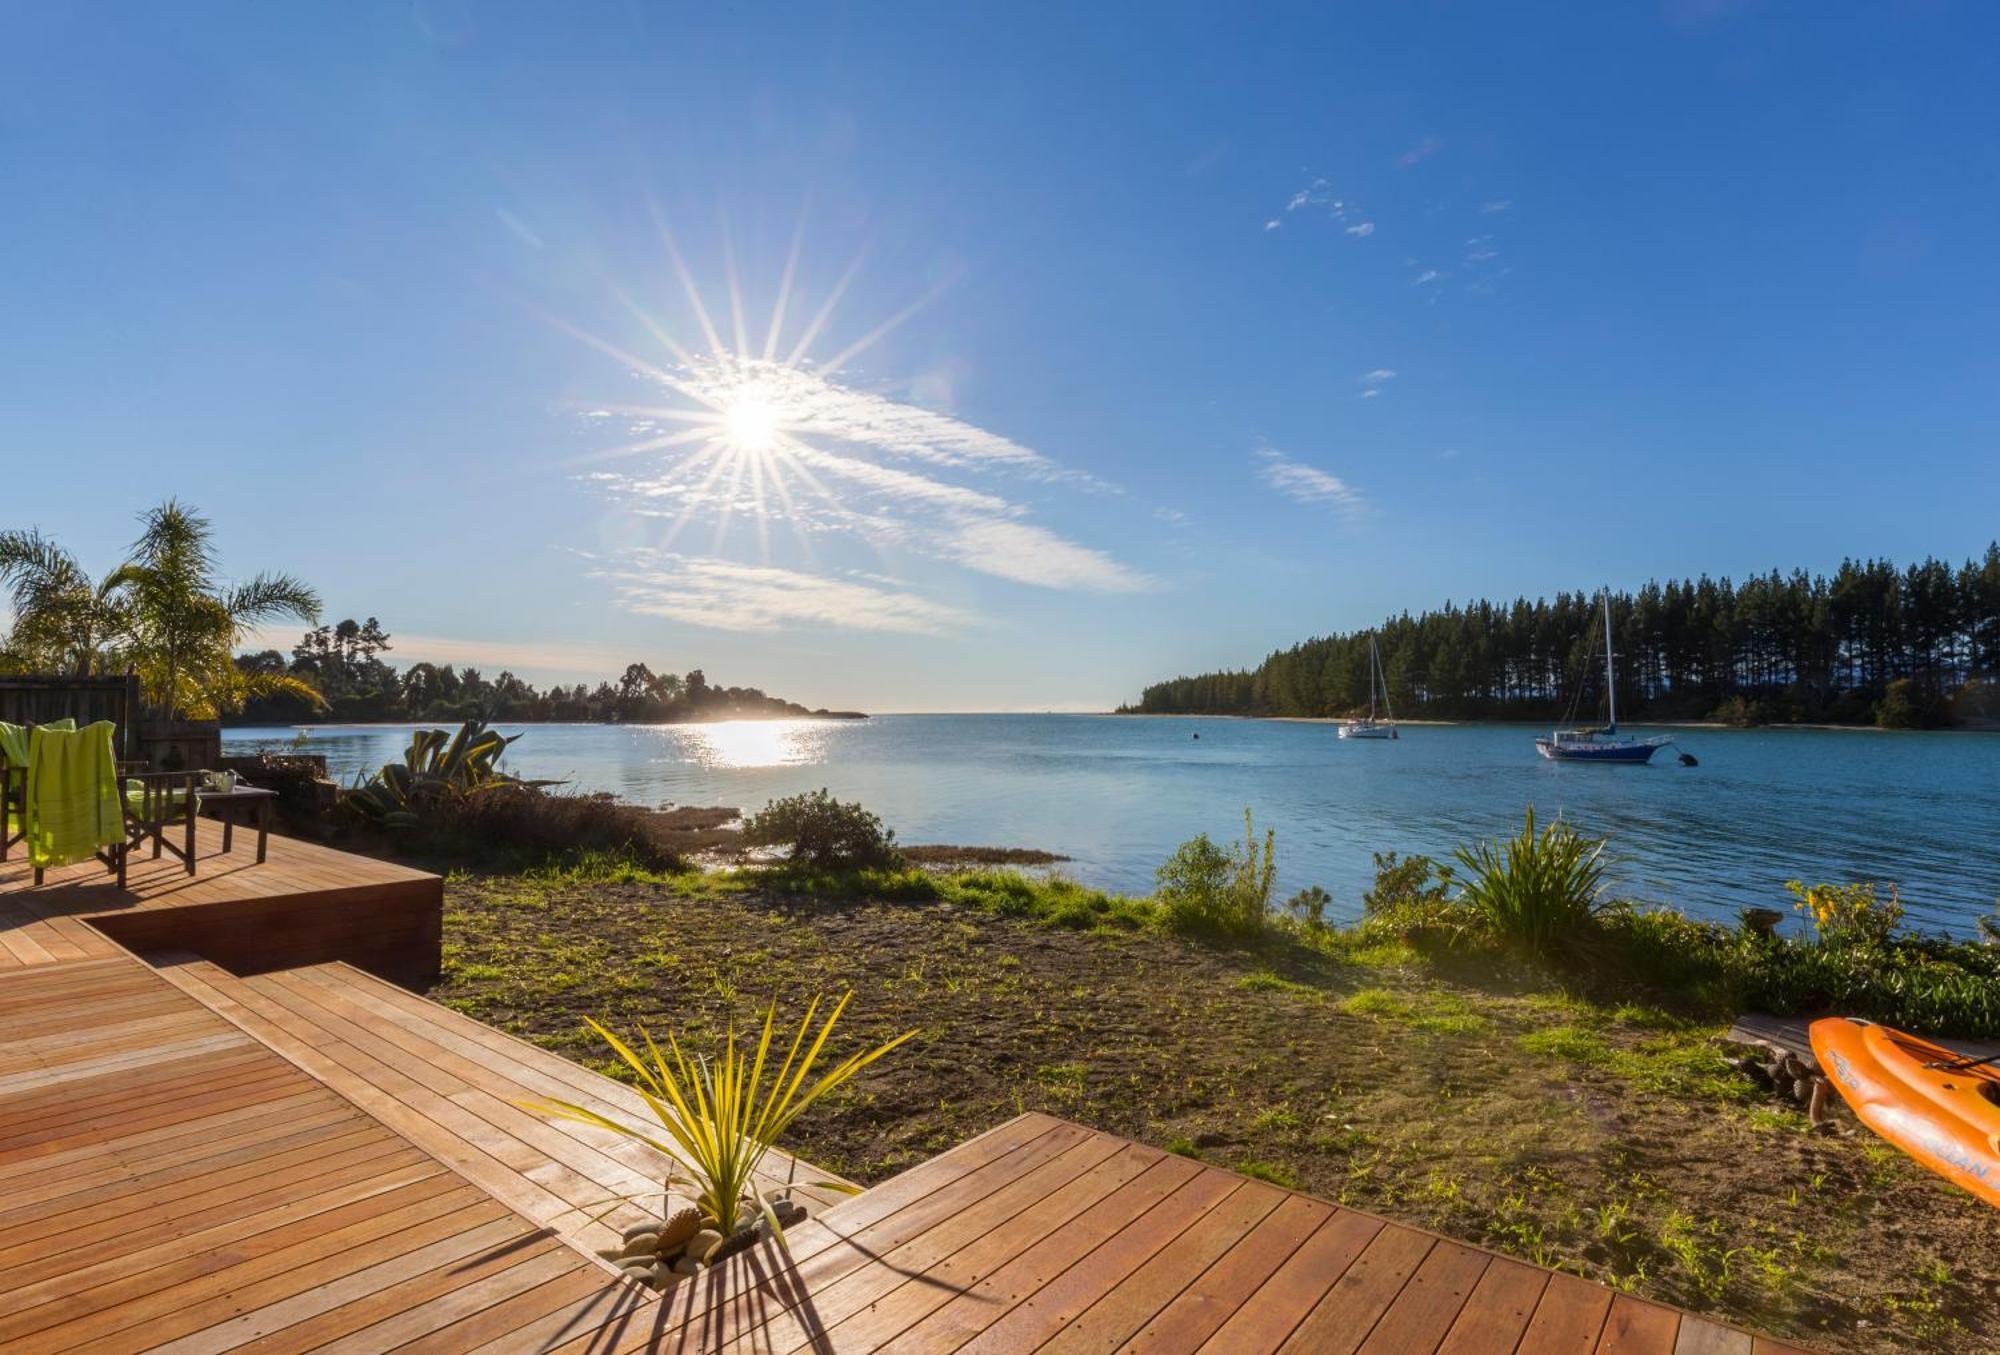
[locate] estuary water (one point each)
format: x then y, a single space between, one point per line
1117 793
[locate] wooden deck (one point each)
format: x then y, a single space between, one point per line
305 905
233 1142
169 1183
452 1086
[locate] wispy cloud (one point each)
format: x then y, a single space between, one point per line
1362 229
1420 152
518 228
1274 224
726 595
1025 553
1496 205
1307 483
1373 382
1314 194
1428 276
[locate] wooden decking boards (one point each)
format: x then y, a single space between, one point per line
239 1143
305 905
453 1087
167 1181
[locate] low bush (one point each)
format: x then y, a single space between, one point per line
1205 889
818 830
1401 881
528 826
1306 910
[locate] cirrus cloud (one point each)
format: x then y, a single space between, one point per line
1307 483
727 595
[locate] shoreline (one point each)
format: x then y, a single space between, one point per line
1711 725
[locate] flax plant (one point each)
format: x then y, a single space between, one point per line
719 1116
1539 889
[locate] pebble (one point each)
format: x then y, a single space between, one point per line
702 1243
638 1230
645 1271
687 1265
645 1245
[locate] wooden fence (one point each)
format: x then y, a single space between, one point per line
171 745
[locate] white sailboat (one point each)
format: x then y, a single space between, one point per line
1371 728
1571 744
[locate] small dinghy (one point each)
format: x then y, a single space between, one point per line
1941 1108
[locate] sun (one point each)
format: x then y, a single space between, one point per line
750 422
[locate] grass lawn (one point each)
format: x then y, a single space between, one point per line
1607 1140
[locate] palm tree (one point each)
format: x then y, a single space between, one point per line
63 621
183 626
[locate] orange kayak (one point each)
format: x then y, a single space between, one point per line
1941 1108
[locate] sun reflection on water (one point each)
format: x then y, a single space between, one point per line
729 744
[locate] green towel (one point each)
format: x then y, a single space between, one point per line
14 751
14 740
73 806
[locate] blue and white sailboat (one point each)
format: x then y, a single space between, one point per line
1606 744
1378 681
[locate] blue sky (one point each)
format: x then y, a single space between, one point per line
1136 340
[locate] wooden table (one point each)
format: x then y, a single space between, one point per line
225 803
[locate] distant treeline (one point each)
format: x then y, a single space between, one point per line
344 664
1872 644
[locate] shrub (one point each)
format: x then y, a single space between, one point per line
1908 704
522 822
819 830
1401 881
1306 909
1848 914
1209 890
1537 889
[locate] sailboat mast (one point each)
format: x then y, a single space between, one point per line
1610 680
1374 661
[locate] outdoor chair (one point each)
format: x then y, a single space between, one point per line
155 807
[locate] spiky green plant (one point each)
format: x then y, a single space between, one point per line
718 1116
436 764
1537 889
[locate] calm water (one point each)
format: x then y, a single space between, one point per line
1117 794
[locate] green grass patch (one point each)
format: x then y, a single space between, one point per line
1268 1171
1379 1003
1264 981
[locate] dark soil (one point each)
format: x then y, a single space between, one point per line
1615 1144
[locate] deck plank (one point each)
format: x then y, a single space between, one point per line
1498 1311
1636 1327
1569 1317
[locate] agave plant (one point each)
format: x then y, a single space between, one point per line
436 763
718 1116
1536 888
